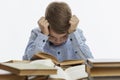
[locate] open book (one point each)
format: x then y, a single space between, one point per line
75 68
43 55
29 68
71 73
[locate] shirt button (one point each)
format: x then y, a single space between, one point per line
76 52
58 52
71 39
43 40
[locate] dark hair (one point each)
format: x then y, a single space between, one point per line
58 15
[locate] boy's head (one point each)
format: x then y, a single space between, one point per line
58 15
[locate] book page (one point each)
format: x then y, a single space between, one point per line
47 62
26 66
61 74
76 72
71 73
3 72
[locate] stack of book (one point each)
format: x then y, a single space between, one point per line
103 69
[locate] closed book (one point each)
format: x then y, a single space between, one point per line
103 67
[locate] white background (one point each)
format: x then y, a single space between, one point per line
100 20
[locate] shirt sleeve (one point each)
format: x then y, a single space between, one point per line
82 45
36 43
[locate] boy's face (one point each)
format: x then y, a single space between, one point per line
57 39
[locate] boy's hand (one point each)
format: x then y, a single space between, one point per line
73 24
43 25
